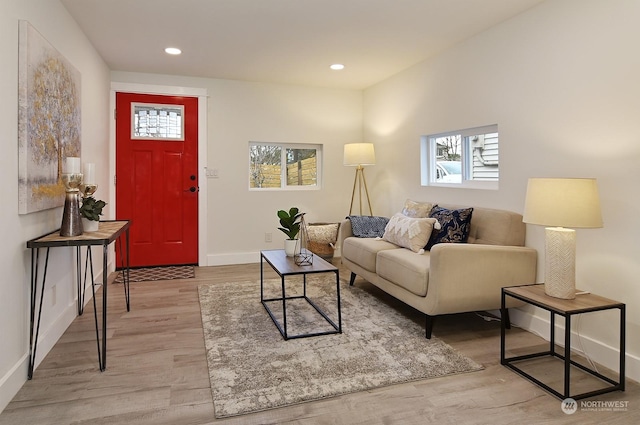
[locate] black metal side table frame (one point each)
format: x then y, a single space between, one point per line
285 266
108 232
566 309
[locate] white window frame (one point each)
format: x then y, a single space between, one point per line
428 158
283 168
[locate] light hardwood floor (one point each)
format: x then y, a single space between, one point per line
157 373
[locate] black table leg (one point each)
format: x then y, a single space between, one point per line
34 325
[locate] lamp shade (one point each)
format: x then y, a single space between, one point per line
562 202
359 154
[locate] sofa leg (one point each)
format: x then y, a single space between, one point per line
352 279
429 326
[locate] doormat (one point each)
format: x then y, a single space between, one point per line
157 273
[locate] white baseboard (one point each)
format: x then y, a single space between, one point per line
15 378
595 350
235 258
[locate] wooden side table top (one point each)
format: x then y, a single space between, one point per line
581 303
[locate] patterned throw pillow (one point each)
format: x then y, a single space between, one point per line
408 232
365 226
417 209
455 225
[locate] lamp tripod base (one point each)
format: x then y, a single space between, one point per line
361 183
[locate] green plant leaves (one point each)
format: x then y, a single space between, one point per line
91 209
290 222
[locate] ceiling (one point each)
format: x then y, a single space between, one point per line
283 41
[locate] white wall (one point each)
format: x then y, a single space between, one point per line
51 19
561 82
240 112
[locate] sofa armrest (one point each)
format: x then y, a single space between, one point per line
345 232
469 277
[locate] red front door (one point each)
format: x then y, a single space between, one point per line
157 177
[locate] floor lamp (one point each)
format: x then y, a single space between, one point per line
357 155
563 203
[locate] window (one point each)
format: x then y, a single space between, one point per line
463 158
284 166
150 121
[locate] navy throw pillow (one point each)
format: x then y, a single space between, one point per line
365 226
455 225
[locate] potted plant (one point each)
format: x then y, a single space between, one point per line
290 222
91 210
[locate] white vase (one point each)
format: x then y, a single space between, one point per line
290 247
90 225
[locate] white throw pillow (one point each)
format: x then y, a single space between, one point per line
408 232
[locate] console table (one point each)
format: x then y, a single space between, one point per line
583 303
108 232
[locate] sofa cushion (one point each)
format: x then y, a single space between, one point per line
455 225
364 226
363 251
408 232
405 269
417 209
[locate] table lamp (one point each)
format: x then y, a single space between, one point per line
357 155
562 202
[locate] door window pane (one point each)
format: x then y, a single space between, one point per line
152 121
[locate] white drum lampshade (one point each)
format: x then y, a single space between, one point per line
562 203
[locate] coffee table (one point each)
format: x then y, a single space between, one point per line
285 266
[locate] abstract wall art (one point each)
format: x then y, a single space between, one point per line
48 120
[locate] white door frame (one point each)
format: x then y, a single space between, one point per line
202 96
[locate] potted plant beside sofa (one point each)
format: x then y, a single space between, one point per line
290 222
91 210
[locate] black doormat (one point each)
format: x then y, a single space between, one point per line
146 274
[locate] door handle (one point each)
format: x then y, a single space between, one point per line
192 189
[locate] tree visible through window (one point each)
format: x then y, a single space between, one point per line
281 165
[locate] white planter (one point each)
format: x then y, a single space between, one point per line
290 247
90 225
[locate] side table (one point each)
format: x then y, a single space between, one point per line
108 231
583 303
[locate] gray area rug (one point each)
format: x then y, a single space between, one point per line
252 368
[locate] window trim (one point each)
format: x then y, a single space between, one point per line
283 173
428 158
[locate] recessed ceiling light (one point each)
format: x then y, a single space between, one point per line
173 50
337 66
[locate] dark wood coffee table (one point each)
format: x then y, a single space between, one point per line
286 266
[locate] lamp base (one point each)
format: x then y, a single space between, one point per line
560 263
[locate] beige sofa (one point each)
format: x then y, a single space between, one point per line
451 277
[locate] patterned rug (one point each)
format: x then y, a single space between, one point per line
252 368
158 273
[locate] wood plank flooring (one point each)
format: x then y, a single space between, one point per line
157 373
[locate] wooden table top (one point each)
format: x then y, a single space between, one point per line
284 265
582 302
107 232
